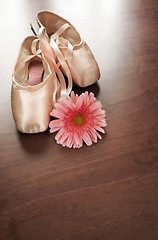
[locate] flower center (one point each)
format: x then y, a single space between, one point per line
78 120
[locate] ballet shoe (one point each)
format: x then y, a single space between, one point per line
32 89
78 56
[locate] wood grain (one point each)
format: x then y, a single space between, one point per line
106 191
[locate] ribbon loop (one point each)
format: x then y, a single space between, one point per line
35 52
60 31
34 49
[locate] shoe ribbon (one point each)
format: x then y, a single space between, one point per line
56 50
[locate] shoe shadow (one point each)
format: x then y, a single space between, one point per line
34 143
93 88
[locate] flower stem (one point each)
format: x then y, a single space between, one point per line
33 29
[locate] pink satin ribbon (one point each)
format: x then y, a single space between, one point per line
57 49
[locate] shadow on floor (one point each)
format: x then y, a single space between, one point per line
35 143
93 88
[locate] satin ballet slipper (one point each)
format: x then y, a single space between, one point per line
82 64
32 102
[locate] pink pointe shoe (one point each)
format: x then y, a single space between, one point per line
33 86
64 37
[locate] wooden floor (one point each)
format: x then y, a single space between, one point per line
108 191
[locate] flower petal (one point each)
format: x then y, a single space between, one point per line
69 141
92 98
56 123
99 129
93 135
58 114
94 106
79 102
86 138
78 140
63 138
60 107
59 134
73 97
53 129
99 112
98 135
68 104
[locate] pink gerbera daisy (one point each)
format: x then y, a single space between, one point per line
79 119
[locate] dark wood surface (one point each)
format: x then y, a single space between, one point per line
108 191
